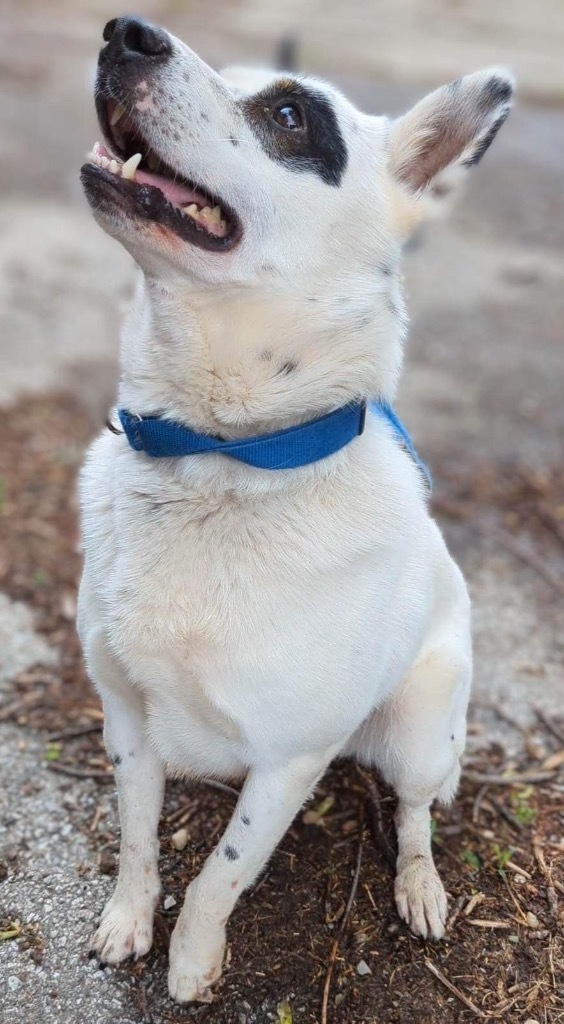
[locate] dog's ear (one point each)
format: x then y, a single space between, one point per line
448 132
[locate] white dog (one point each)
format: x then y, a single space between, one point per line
238 620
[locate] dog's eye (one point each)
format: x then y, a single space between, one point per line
288 116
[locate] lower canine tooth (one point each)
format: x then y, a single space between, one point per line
130 166
117 115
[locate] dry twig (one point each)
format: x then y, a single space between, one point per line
452 988
80 773
344 919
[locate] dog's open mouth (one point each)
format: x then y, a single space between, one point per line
145 187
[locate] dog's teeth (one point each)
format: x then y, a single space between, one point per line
192 210
215 215
96 148
117 115
113 166
130 166
104 162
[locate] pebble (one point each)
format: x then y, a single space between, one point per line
13 982
362 968
168 902
532 920
179 839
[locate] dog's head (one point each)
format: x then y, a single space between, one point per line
252 177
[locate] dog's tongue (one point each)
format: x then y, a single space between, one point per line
173 190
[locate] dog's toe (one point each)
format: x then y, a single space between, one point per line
124 932
421 899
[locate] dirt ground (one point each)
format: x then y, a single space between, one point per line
317 940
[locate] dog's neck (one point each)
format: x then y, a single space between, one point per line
241 361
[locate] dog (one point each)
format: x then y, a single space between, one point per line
257 620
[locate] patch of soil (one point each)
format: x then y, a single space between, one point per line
321 919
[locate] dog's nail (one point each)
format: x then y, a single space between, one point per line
91 954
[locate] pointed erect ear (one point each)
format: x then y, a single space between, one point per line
450 129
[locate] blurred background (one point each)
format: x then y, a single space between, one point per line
482 395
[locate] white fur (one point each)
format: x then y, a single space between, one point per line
252 624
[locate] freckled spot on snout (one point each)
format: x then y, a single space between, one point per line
452 737
265 355
204 116
234 142
231 853
131 753
235 883
246 820
116 759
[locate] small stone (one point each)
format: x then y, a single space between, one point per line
179 839
169 902
513 938
531 1021
532 920
520 879
362 968
13 982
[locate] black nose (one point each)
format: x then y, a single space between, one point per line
129 37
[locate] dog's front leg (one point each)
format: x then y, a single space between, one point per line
270 799
126 926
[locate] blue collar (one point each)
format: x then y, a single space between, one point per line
284 449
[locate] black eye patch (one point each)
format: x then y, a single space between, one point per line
318 147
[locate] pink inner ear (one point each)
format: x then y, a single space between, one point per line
453 125
442 142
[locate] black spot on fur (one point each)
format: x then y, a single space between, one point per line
485 143
245 819
231 853
316 148
234 142
497 90
204 116
386 269
288 367
116 759
452 737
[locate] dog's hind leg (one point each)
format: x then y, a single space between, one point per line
126 925
416 741
270 799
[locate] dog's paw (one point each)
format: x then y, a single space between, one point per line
421 899
195 961
125 931
188 984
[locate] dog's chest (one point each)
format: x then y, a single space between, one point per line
253 621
